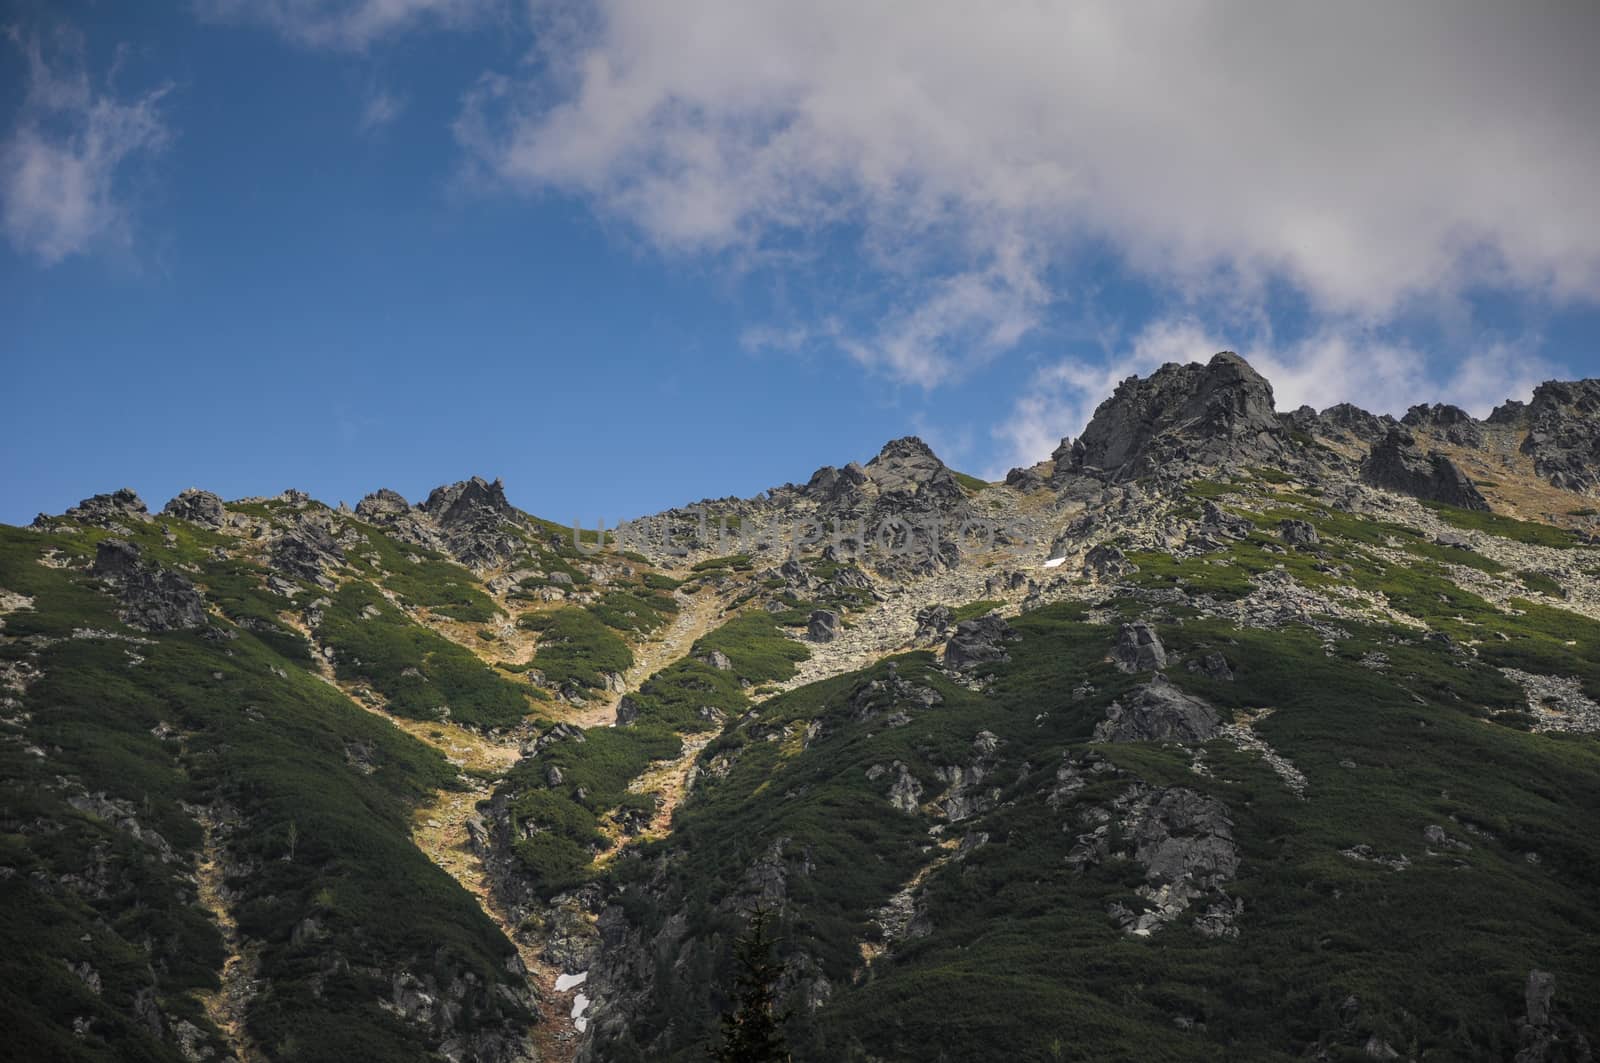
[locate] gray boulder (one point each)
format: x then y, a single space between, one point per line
1213 666
1298 533
1106 562
1158 712
933 623
1398 464
197 507
980 641
823 625
1139 649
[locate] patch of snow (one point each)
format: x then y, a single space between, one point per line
571 981
579 1003
1055 562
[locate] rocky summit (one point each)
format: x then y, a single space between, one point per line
1223 733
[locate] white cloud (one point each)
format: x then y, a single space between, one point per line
59 168
1366 155
379 109
347 25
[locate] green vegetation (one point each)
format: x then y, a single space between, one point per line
313 799
576 647
1541 583
421 674
971 484
432 581
973 610
634 611
733 562
1522 531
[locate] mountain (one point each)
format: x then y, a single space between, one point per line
1223 733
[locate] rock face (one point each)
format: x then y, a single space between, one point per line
1217 414
1398 464
197 507
979 641
152 598
1139 649
1158 712
1564 434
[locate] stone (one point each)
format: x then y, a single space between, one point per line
716 659
933 623
1398 464
1213 666
1139 649
1298 533
822 625
1106 562
197 507
980 641
1158 712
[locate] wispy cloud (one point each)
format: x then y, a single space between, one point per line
346 25
60 168
379 109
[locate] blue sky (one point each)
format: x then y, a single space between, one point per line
629 255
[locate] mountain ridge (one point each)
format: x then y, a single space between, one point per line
1214 690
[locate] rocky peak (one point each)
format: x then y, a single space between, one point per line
1213 414
468 501
908 467
1349 421
1451 423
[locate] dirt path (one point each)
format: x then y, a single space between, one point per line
226 1005
695 616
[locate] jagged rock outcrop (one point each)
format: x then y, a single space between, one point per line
153 598
1158 712
1564 434
306 551
1139 649
1398 464
1450 423
980 641
197 507
104 510
1217 414
478 525
1349 423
